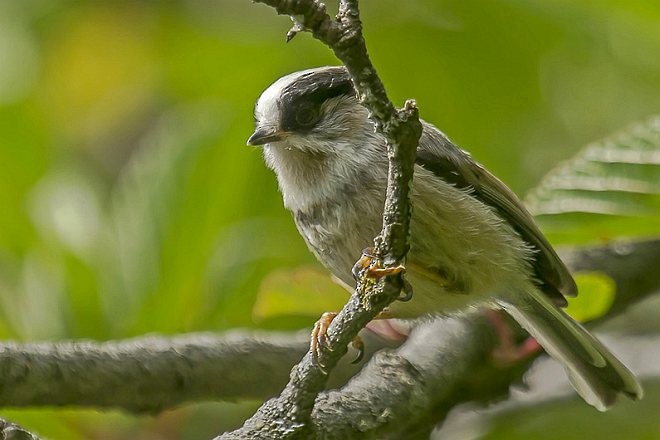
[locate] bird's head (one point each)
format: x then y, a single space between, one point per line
315 111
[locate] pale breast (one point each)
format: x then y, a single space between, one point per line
461 252
338 232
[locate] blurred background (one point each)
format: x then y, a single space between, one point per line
130 203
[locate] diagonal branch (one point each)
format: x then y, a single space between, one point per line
288 415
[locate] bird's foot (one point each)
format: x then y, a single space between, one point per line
509 352
372 266
319 338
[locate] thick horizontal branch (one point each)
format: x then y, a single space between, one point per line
449 361
404 392
149 373
152 373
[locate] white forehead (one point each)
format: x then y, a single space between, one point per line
266 108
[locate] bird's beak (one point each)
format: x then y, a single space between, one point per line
263 135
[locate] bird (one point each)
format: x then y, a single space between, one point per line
472 241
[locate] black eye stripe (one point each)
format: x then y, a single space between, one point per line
310 91
306 115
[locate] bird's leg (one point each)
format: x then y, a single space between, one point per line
508 351
387 330
368 268
319 337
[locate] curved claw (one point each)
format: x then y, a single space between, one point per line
407 292
358 344
362 263
297 27
319 338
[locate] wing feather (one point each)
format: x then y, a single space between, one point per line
437 154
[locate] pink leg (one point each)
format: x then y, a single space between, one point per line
508 352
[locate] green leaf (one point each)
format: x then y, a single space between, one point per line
304 292
597 292
611 189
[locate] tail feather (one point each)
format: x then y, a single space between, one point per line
596 374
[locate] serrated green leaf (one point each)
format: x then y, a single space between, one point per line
611 189
304 292
597 292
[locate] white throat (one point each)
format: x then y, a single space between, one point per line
309 175
304 178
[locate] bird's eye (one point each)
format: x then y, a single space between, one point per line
306 115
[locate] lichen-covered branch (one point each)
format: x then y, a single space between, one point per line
148 373
410 388
449 361
288 416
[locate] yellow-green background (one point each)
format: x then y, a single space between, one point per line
129 202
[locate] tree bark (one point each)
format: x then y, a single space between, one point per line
288 415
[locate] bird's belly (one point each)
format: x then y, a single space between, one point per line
461 253
338 238
431 296
447 280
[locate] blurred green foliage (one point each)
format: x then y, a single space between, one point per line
610 189
567 420
597 292
130 203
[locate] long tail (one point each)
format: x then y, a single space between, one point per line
596 374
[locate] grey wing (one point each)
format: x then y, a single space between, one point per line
437 154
